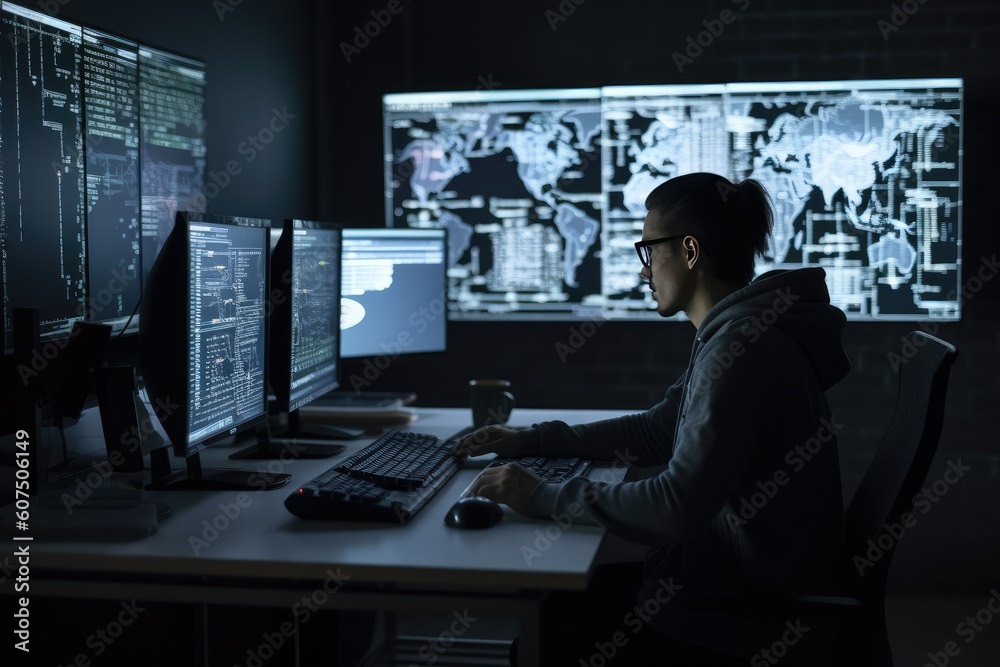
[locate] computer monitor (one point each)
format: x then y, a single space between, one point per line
515 178
543 191
203 343
42 192
111 144
103 140
393 294
172 94
304 347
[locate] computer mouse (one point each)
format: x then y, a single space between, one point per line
473 512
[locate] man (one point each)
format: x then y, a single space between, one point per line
750 496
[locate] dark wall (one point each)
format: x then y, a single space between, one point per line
260 59
516 44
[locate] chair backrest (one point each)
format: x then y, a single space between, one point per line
900 466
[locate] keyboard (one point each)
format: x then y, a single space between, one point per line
388 481
391 479
551 470
398 460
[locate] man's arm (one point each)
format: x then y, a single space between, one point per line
647 435
715 440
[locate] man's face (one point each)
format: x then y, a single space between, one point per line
668 275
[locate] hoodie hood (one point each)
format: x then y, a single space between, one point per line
796 302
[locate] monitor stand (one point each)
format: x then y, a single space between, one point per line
195 478
295 443
67 460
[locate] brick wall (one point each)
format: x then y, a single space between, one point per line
628 365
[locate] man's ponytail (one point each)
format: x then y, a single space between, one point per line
757 216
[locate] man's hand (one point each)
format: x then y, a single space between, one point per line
504 441
512 484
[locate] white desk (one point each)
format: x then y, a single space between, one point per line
266 556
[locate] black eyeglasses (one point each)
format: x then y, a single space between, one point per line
642 247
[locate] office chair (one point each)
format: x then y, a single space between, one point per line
893 478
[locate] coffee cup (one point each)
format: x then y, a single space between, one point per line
491 402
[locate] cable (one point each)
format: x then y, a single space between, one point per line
128 321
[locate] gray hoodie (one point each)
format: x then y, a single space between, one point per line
750 497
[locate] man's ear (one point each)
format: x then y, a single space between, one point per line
692 251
